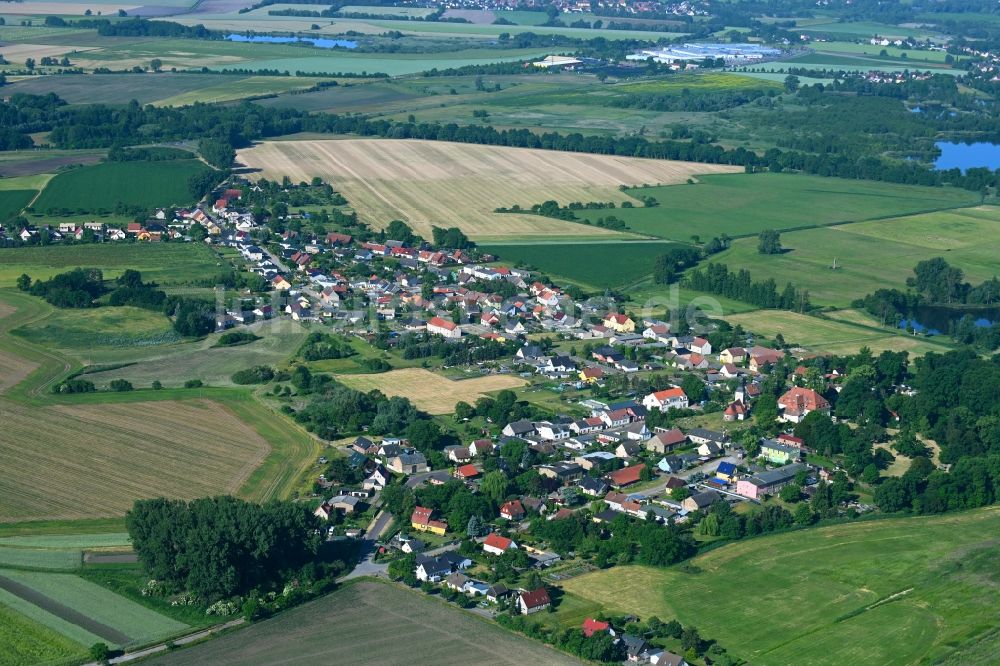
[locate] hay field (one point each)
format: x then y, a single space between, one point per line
85 461
430 392
13 368
433 183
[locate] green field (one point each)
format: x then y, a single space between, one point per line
370 623
63 541
105 186
709 82
12 201
596 265
745 204
29 642
101 327
165 263
138 623
879 253
35 558
898 591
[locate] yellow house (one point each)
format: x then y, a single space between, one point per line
620 323
733 355
591 375
421 522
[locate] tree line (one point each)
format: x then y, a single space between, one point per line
717 279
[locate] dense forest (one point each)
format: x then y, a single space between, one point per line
101 126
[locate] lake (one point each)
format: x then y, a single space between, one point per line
967 155
320 42
936 320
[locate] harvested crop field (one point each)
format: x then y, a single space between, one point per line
436 183
430 392
85 461
370 623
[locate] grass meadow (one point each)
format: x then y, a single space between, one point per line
877 253
107 185
594 265
895 591
833 336
369 622
745 204
165 263
115 327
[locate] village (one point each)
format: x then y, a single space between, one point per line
654 430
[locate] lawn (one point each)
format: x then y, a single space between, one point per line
826 335
370 623
897 591
683 84
105 186
165 263
427 183
12 201
868 255
26 641
594 265
138 623
745 204
429 391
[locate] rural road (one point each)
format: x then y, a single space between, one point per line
162 647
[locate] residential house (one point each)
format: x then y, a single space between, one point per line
700 346
663 400
497 593
520 428
626 476
627 449
592 626
664 658
591 375
666 441
408 463
422 521
726 472
703 436
533 601
495 544
561 471
761 357
512 510
593 487
733 355
797 402
710 449
636 649
619 323
481 447
444 328
467 472
457 453
701 501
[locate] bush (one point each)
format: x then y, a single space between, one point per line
193 383
258 374
120 385
233 338
100 652
74 386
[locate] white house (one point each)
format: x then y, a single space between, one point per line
664 400
444 328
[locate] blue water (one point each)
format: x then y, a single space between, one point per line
968 155
320 42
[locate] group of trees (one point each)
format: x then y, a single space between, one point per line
319 346
221 546
718 279
338 410
78 288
